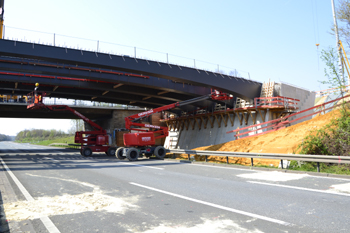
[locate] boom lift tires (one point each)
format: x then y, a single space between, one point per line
119 153
160 152
132 154
111 151
86 152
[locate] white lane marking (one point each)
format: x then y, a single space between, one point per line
232 168
300 188
341 187
242 169
138 165
332 178
45 220
273 176
216 206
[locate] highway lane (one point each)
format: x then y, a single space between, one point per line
105 194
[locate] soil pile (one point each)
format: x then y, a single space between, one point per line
284 141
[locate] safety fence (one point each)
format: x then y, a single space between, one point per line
280 123
277 101
298 157
65 41
333 90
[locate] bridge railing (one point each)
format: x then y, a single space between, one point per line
58 40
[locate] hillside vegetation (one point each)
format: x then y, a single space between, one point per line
4 137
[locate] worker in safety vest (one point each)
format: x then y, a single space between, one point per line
37 98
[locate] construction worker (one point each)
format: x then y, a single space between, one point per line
37 98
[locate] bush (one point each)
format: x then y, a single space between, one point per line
332 139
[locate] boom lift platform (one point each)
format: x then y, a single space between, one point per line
93 141
143 142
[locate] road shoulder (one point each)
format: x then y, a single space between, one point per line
8 196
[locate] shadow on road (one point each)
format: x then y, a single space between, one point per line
48 160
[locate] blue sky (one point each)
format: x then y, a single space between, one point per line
269 39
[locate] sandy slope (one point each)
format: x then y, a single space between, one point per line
283 141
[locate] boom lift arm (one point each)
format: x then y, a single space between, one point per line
93 141
131 121
75 112
144 142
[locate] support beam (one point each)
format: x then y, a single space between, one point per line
239 118
218 120
162 92
199 122
146 98
118 85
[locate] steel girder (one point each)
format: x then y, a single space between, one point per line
239 87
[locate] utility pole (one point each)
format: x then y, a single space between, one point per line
340 66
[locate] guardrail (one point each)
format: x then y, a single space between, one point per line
299 157
277 101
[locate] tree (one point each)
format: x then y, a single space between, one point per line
76 125
330 57
4 137
343 15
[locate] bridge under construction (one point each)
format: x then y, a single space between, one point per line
92 76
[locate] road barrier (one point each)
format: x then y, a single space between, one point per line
299 157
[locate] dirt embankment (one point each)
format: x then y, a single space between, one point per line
284 141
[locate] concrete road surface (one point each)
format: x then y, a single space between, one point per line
46 189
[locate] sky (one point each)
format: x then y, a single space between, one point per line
263 40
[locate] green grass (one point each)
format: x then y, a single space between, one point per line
341 169
46 142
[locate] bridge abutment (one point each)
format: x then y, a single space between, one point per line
211 128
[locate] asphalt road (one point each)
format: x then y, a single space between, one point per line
58 190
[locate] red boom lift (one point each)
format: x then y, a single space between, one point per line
143 142
93 141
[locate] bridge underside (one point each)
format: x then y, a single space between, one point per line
19 110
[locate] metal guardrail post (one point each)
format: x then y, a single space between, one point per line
299 157
206 158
